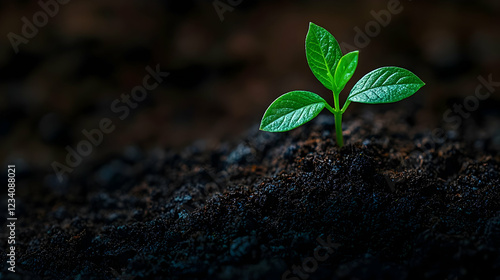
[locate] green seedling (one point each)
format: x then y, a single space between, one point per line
295 108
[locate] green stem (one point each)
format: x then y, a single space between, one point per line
338 121
346 104
338 129
330 108
336 101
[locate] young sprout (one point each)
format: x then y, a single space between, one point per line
295 108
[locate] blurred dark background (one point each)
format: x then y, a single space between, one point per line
223 73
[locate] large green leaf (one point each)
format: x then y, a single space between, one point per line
345 69
323 54
385 85
292 110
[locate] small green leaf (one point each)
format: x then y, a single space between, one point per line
345 69
323 54
292 110
385 85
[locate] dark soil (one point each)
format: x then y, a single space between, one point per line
394 203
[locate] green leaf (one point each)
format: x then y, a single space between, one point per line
323 54
385 85
345 69
292 110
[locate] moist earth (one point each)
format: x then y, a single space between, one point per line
396 202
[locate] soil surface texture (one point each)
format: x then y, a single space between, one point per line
395 202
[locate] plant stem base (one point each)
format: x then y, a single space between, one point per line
338 130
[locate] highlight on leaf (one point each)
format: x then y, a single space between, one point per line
385 85
345 70
323 54
324 57
292 110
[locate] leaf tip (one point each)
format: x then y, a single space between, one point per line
422 83
356 54
313 26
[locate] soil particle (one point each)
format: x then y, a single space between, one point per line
398 204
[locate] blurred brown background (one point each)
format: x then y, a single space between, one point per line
223 74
